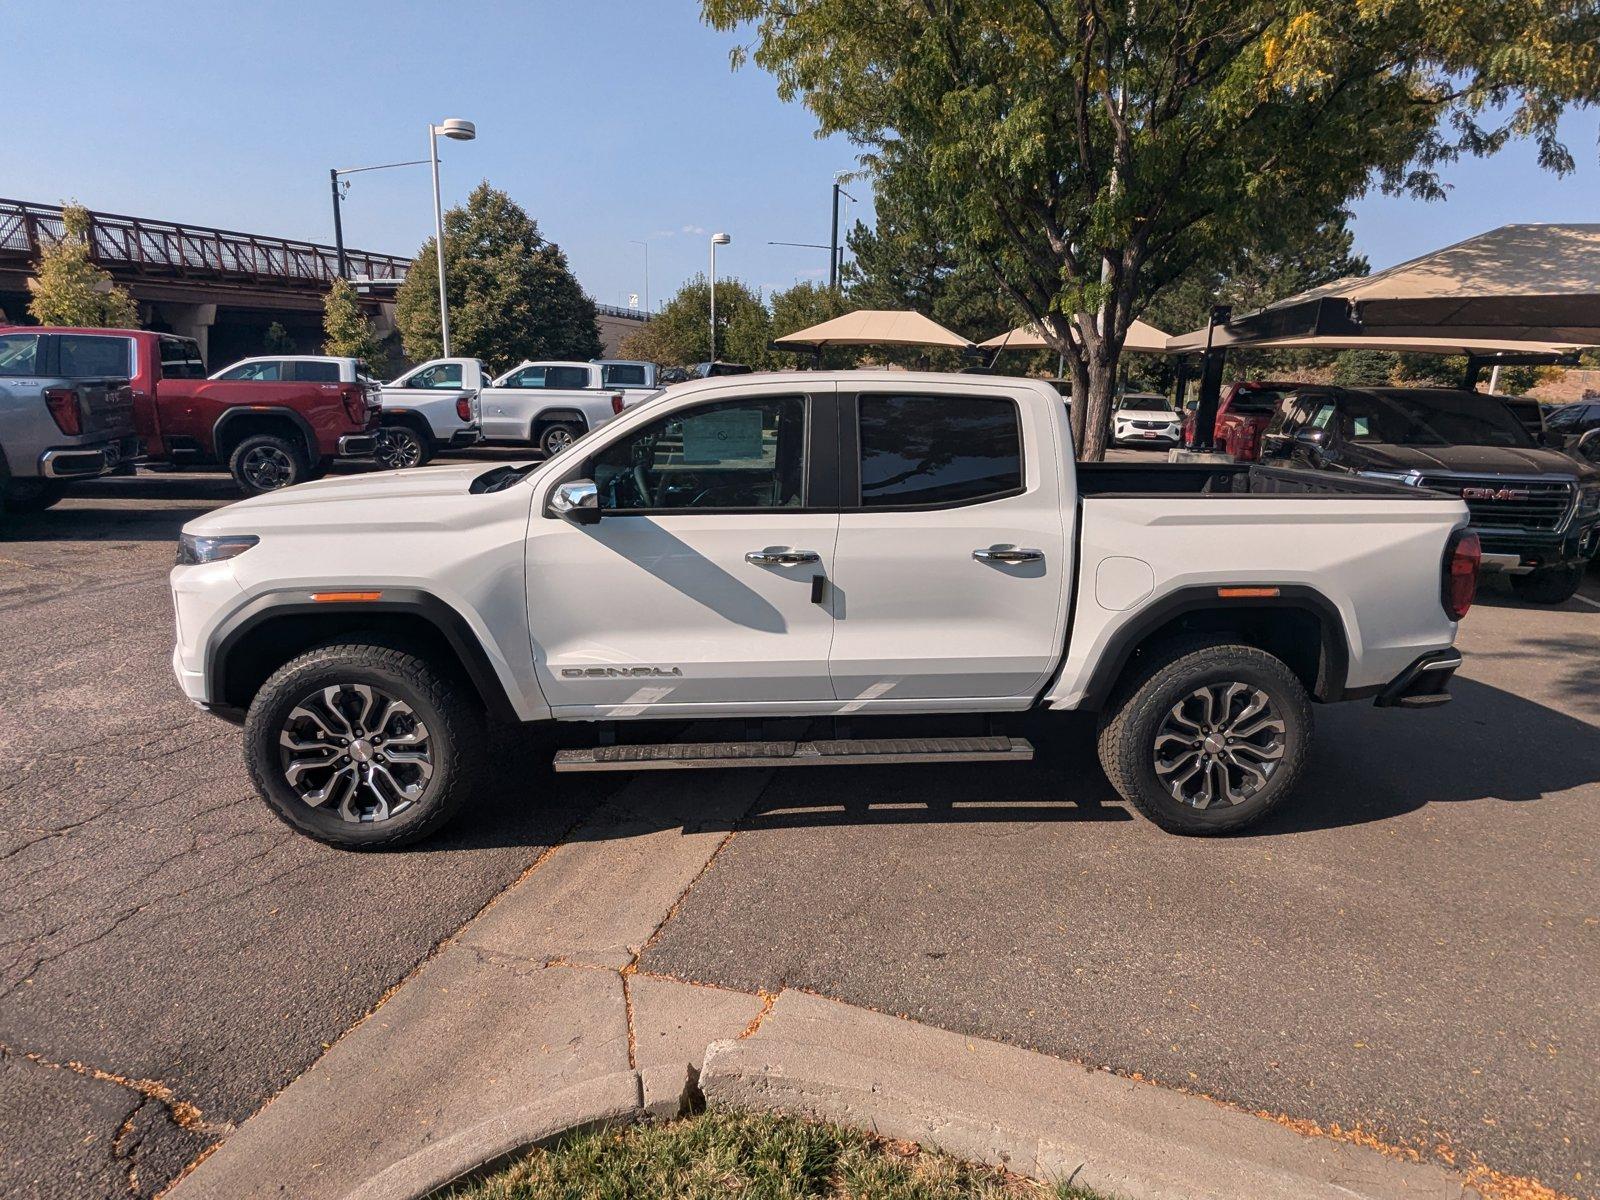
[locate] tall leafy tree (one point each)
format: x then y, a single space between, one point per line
347 331
512 295
807 304
68 289
1092 152
680 334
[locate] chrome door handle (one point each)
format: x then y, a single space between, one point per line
772 556
1007 553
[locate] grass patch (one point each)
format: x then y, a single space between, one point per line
752 1156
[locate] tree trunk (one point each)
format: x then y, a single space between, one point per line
1097 413
1080 401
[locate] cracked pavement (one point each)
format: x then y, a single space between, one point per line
159 928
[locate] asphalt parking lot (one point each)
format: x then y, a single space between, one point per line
1409 946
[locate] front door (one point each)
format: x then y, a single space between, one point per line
696 592
952 568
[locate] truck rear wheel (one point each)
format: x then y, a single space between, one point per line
401 446
553 439
1552 585
363 745
1206 737
264 462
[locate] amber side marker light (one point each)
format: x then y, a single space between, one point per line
343 597
1242 593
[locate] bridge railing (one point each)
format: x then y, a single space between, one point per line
148 247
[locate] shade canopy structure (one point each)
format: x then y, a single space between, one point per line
876 327
1529 283
1194 342
1141 339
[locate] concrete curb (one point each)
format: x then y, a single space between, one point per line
609 1099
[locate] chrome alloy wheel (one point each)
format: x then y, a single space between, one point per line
558 440
398 448
357 751
1219 745
267 468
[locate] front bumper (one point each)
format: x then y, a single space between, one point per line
1518 553
87 461
1424 684
1170 435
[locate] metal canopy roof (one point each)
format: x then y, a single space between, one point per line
877 327
1141 339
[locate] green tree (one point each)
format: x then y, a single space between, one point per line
512 295
1363 368
680 334
1093 152
348 333
68 289
807 304
277 340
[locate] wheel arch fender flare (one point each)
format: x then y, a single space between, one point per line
1333 651
235 632
222 430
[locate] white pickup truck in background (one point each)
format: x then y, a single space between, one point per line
552 404
904 561
432 407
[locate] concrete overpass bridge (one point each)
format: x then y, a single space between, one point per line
222 287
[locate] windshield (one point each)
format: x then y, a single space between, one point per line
1417 419
1255 400
1145 402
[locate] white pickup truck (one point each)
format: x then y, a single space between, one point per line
866 550
431 408
553 404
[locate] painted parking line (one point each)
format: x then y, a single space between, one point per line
1586 600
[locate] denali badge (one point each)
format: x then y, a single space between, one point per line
621 672
1505 493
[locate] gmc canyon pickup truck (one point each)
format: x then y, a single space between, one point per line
848 548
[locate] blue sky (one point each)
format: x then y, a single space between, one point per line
608 121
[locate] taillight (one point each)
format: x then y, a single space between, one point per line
1461 559
64 410
464 407
355 403
616 403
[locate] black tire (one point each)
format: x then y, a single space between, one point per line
23 496
1553 585
264 462
1158 690
401 447
455 743
555 438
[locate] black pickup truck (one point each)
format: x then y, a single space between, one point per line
1535 509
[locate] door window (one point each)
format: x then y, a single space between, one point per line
738 454
440 375
19 354
257 372
625 375
181 359
528 377
938 451
317 372
84 357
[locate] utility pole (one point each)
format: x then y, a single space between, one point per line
338 221
835 256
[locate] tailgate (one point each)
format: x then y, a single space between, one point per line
106 406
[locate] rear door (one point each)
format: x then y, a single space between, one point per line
950 579
702 588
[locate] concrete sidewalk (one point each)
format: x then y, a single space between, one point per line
534 1020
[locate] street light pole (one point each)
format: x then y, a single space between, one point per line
646 245
834 259
338 220
461 131
717 239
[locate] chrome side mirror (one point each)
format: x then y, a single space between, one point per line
577 500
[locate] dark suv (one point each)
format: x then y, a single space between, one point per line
1536 510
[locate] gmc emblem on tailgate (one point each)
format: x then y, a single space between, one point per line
1482 493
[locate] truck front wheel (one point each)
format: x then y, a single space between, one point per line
1206 737
363 745
265 462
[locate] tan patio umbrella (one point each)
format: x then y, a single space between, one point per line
1141 339
876 327
1525 283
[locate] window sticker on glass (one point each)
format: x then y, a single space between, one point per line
733 435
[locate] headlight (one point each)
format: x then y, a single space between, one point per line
1589 500
193 550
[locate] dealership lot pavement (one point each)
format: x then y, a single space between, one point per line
161 930
1411 945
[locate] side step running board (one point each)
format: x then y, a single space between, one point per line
673 756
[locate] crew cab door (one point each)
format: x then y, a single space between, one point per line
951 576
696 592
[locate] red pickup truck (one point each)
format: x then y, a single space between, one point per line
267 435
1243 414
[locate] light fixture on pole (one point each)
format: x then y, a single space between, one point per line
461 131
717 239
646 245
